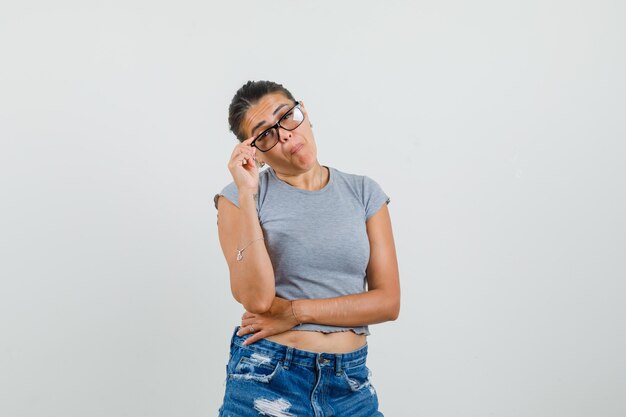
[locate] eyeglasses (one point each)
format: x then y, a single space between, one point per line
289 121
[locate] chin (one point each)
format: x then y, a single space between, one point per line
305 162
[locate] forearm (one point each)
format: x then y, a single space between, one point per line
374 306
252 275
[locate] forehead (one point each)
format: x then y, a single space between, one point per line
265 112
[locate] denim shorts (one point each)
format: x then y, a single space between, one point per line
270 379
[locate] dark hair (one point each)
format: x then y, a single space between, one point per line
246 97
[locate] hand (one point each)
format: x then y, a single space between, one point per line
242 167
278 319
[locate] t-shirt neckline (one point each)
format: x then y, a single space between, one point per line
331 175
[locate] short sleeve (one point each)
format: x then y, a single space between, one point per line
230 192
373 197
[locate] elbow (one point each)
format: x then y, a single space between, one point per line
388 303
257 308
256 300
393 311
257 305
393 314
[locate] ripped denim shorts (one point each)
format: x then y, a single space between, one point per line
270 379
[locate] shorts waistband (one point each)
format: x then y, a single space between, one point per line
289 355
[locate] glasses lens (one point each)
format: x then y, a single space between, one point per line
266 140
292 119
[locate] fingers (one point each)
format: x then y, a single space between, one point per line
242 151
248 141
257 336
248 319
249 329
250 325
245 150
242 155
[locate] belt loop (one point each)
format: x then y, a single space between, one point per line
288 356
338 364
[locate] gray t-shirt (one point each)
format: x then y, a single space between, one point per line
317 240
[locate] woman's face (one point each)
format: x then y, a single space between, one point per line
296 151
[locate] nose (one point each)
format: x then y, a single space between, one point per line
283 135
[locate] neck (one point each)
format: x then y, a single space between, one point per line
312 180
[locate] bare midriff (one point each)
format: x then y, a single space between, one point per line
337 342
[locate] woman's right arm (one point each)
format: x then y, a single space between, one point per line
251 276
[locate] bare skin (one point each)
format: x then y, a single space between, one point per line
294 159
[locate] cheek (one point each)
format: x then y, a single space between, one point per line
274 158
312 143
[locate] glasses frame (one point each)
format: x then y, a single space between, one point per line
276 126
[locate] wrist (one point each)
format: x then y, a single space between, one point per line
297 312
246 196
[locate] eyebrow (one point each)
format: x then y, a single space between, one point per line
273 114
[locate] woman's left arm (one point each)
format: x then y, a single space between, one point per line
380 303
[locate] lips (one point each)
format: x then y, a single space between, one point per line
296 148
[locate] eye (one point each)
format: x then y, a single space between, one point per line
287 116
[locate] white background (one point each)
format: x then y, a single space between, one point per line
497 128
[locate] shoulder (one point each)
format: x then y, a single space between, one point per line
230 192
359 183
367 191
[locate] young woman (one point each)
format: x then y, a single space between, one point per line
312 260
